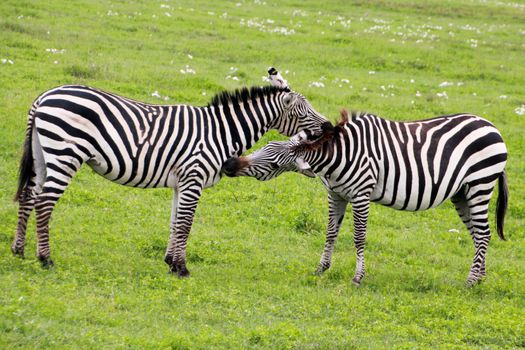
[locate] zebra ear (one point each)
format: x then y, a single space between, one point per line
276 79
303 167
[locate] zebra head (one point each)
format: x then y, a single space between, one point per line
270 161
298 114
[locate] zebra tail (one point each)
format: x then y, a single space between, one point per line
26 162
502 203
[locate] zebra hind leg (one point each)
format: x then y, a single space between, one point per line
60 170
463 210
26 203
477 199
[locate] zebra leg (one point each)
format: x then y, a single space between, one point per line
336 213
26 200
26 203
60 170
168 256
478 199
463 210
360 209
187 201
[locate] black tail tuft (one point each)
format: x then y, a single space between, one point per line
502 203
26 167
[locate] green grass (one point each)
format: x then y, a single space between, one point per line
254 246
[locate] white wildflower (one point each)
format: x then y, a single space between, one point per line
503 97
56 51
155 94
371 72
418 94
446 83
453 230
6 60
187 70
316 84
167 14
520 110
204 93
412 81
442 94
190 56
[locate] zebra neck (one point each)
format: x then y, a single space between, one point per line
242 124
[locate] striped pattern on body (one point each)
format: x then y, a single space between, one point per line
143 145
405 165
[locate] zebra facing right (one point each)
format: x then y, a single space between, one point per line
137 144
405 165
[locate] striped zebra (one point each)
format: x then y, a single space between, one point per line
407 166
148 146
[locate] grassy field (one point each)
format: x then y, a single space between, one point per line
254 246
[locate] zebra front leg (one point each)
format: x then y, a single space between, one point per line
360 209
336 213
187 201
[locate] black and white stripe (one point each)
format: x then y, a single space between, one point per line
143 145
405 165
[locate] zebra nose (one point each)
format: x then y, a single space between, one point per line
231 166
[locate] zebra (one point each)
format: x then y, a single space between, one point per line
404 165
136 144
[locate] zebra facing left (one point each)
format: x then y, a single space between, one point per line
405 165
132 143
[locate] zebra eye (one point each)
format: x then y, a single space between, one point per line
274 166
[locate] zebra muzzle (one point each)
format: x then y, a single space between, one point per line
233 165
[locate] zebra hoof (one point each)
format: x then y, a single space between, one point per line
46 263
356 281
180 270
320 270
17 251
168 259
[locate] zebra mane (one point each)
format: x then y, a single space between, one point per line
328 135
243 94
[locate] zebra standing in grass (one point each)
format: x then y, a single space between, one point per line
143 145
408 166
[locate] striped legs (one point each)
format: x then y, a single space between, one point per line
60 170
360 209
472 206
336 213
185 201
26 203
